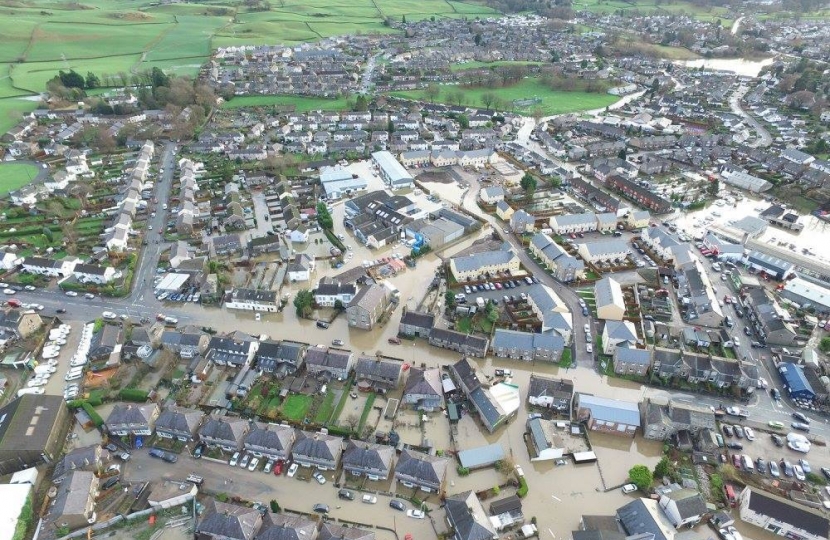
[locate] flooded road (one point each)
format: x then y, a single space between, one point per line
739 66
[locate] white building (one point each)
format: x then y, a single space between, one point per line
609 299
253 300
92 273
392 172
49 267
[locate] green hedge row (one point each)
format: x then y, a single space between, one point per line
93 414
133 394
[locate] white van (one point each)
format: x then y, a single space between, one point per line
746 461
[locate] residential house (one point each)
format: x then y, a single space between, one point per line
637 219
317 450
618 334
607 415
556 394
782 517
73 506
468 519
546 438
546 347
224 521
506 512
770 321
333 531
609 299
336 363
600 251
227 351
367 306
224 432
265 244
522 222
253 300
287 527
492 194
573 223
683 507
423 471
185 344
282 358
642 518
504 211
48 267
631 361
373 461
416 324
301 268
105 343
179 423
92 273
86 458
19 323
378 373
271 441
478 265
561 264
663 421
329 292
494 405
132 419
466 344
423 389
639 194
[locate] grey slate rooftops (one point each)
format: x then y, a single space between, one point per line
362 455
786 512
375 368
226 429
468 519
317 445
286 527
270 436
429 469
229 520
689 502
418 319
417 383
179 420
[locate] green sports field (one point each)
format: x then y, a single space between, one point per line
15 175
551 101
300 104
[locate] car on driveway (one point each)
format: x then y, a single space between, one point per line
234 459
397 505
269 466
253 465
245 460
319 477
292 470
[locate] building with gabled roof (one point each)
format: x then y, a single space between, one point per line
317 450
287 527
607 415
551 393
468 519
178 423
272 441
366 459
32 429
225 432
224 521
423 389
781 516
609 299
132 419
367 306
333 531
423 471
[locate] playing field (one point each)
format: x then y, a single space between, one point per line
300 104
550 101
15 175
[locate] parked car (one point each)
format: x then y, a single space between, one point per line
269 466
397 505
801 417
253 465
369 499
805 466
244 461
417 514
727 430
321 508
292 470
234 459
773 470
345 494
787 468
749 434
739 431
319 477
801 426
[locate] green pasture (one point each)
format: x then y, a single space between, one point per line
301 104
15 175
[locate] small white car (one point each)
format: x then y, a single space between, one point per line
629 488
253 464
71 293
319 477
417 514
589 348
34 383
109 315
292 470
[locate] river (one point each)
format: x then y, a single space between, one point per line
739 66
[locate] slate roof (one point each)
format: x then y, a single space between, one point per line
466 373
229 520
558 388
689 502
130 414
511 503
472 263
417 383
611 410
607 291
286 527
226 429
620 331
429 469
270 436
418 319
468 518
332 358
332 531
641 357
317 446
179 420
364 455
79 458
636 519
786 512
374 368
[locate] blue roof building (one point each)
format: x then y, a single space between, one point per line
796 382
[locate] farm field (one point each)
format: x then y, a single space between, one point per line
551 101
11 109
15 175
653 6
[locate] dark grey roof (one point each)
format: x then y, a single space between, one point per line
417 318
360 454
130 414
371 367
485 406
429 469
332 531
689 503
636 519
508 504
467 527
80 458
332 358
418 384
786 512
286 527
225 429
180 420
229 520
317 446
542 386
466 374
270 436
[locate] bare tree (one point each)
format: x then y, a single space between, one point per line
487 99
432 92
352 421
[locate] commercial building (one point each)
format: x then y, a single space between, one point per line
392 172
807 294
772 266
607 415
32 428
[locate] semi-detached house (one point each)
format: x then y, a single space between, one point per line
178 423
317 450
224 432
272 441
373 461
132 419
423 471
475 266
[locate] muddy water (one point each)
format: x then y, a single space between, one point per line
739 66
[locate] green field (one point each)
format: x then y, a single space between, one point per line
552 101
15 175
645 7
301 104
475 64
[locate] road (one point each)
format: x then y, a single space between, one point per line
763 139
366 80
